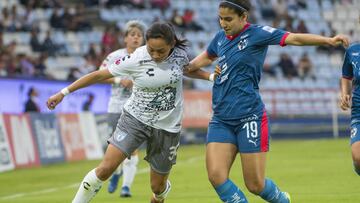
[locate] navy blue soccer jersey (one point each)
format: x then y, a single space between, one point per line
351 70
241 58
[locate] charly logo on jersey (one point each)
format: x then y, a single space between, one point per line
164 100
118 61
353 132
242 44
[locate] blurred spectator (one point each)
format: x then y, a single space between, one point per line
301 28
26 66
176 19
189 22
109 39
305 67
269 70
137 3
88 103
35 44
161 4
88 65
56 19
31 104
51 47
74 74
267 9
287 66
40 67
3 71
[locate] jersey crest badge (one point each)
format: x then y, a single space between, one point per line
242 44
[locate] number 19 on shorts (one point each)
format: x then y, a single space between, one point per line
251 129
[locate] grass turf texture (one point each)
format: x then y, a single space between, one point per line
315 171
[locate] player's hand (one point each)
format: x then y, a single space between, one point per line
340 40
54 100
126 83
217 71
345 102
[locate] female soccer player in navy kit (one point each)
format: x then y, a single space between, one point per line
240 122
350 98
152 113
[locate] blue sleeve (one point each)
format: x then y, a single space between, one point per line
347 70
271 36
212 48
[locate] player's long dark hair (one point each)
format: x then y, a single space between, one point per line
239 6
165 31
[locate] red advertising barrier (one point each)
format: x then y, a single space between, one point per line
22 144
197 109
70 130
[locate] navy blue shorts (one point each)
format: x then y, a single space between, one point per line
250 134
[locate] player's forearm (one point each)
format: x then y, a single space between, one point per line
346 86
200 61
307 39
199 74
89 79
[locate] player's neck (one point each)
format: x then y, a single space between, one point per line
130 50
243 27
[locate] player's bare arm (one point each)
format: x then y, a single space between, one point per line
82 82
299 39
200 61
345 98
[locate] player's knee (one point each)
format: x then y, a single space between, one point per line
104 172
216 177
255 186
158 187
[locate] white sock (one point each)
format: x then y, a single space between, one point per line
90 185
118 170
129 170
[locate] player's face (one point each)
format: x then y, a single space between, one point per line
134 38
230 21
158 49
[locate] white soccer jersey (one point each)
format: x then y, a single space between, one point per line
156 98
119 94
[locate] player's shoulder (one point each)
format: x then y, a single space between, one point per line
354 47
265 29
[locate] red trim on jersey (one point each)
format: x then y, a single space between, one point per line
264 137
282 42
348 78
231 37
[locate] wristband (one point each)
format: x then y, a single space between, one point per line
117 80
65 91
212 77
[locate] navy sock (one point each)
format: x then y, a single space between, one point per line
357 170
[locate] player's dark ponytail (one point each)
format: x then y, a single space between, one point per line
239 6
165 31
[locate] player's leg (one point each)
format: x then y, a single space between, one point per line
221 152
129 172
160 186
92 182
253 139
161 153
112 119
355 146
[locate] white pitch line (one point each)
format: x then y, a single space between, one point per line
74 185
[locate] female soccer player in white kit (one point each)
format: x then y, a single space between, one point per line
153 113
120 93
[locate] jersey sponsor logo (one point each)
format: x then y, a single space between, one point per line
353 132
242 44
164 100
142 62
244 36
250 118
355 54
268 29
150 72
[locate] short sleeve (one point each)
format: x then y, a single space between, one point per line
212 49
122 66
108 60
271 36
347 70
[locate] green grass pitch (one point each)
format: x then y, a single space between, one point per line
312 171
